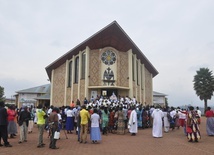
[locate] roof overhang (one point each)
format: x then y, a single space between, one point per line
107 87
110 36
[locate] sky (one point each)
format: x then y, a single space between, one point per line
177 37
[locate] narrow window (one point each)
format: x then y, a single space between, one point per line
70 74
133 77
76 70
83 66
141 77
137 72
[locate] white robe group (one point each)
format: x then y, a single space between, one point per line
157 116
132 125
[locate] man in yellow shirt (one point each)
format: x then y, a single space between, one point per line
41 124
84 114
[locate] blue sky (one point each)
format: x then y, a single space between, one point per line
176 36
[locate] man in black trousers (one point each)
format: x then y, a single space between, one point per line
3 125
53 124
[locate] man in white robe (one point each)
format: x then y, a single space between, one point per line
157 116
132 125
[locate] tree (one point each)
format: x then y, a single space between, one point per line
2 93
204 85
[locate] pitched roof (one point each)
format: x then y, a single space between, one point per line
43 97
111 35
43 89
158 94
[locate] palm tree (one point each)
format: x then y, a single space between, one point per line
204 85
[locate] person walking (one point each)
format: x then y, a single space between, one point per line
193 132
3 125
23 122
84 114
198 115
210 122
157 116
41 115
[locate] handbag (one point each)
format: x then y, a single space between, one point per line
56 135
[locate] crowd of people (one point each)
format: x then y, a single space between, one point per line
100 116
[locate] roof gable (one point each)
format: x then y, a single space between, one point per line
158 94
111 35
43 89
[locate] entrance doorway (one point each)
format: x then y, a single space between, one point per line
108 92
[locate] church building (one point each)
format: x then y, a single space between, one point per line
106 63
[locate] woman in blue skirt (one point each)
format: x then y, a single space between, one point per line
95 129
69 120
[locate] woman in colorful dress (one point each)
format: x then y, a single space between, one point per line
121 123
111 120
139 117
116 118
210 122
177 123
192 128
105 120
145 118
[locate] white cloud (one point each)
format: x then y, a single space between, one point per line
176 36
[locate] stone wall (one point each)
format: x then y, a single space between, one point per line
82 90
148 87
59 85
94 68
122 69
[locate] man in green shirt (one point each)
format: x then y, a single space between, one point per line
41 124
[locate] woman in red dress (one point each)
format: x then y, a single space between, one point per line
210 122
111 120
12 127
